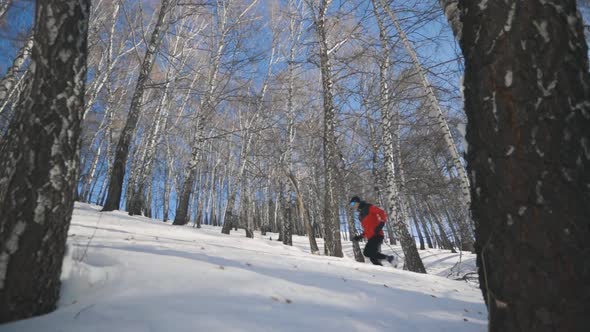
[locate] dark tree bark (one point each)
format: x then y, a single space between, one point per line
527 99
419 232
228 219
122 151
418 219
181 217
427 234
288 221
39 162
444 237
313 246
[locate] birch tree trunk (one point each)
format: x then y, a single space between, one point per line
217 201
434 107
167 182
419 232
4 6
377 178
122 150
205 110
420 219
207 105
105 74
444 237
313 246
399 216
356 248
9 81
14 94
138 201
108 159
246 147
333 245
105 126
229 219
88 179
279 207
288 226
527 100
42 143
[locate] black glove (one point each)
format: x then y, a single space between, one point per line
357 238
379 228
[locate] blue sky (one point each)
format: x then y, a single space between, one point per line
13 30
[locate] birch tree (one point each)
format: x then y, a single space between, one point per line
9 80
441 122
333 246
137 198
413 261
4 6
39 162
207 104
121 153
527 100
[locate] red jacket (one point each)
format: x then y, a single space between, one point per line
371 216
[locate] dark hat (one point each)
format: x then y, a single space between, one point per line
355 199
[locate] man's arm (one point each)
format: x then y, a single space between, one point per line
381 217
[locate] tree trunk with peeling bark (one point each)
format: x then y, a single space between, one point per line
527 100
42 143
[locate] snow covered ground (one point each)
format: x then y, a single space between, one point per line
129 274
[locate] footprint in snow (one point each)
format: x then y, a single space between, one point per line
276 299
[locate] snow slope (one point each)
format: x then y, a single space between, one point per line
127 273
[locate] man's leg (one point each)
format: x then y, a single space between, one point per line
372 250
378 253
375 261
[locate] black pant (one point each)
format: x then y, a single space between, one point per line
372 250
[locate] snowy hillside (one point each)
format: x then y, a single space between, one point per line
135 274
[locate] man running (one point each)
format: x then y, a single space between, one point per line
372 219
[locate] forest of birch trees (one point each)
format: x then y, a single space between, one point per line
267 116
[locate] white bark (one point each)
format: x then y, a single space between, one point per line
8 82
333 246
4 6
14 93
434 103
394 195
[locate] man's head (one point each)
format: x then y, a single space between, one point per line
354 202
